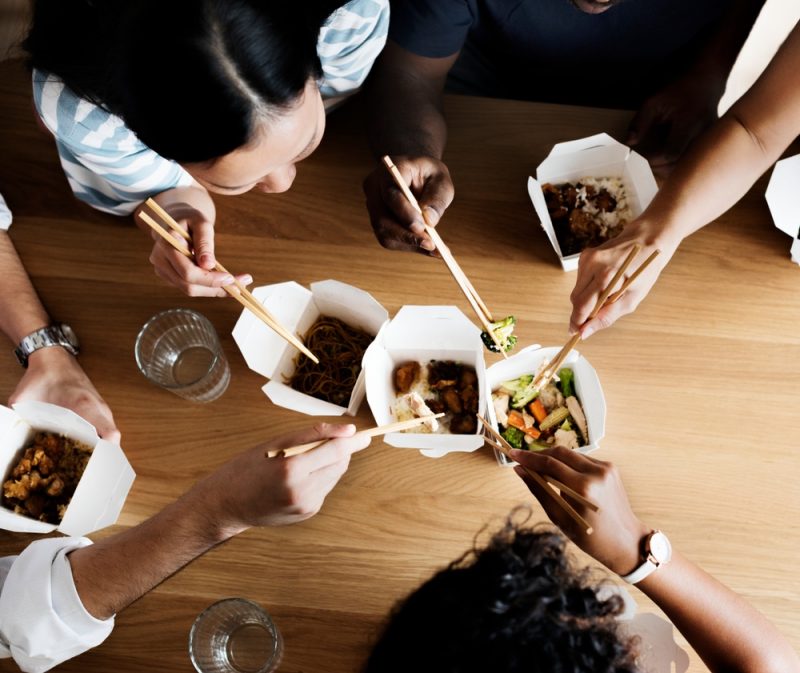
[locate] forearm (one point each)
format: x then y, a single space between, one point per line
725 631
21 311
115 572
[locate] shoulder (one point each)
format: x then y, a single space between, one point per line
356 21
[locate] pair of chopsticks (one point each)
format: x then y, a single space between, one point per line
240 294
477 304
606 298
546 482
399 426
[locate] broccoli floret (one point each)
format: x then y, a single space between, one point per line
567 379
503 330
521 390
514 436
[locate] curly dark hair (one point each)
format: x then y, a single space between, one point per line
517 605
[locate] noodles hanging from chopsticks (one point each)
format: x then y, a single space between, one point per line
340 349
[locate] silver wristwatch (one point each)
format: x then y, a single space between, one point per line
57 334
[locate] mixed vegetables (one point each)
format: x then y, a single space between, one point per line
504 333
535 419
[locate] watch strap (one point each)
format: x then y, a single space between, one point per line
51 335
644 570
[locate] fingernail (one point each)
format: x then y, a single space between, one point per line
427 244
246 280
432 214
228 280
205 259
587 332
417 228
571 331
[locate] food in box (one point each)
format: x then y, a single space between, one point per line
605 165
95 476
299 310
424 334
585 386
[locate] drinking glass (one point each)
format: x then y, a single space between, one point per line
179 351
235 635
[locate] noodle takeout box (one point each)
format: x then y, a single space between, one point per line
598 156
421 334
587 388
782 201
101 490
297 308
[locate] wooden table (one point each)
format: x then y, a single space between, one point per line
702 383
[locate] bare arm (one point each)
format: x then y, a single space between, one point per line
406 122
729 634
120 569
716 172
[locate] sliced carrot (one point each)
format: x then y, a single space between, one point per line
538 410
515 420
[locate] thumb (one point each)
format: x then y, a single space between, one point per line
436 197
608 315
203 242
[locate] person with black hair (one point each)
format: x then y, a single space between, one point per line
519 605
176 100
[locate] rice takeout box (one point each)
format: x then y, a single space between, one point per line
103 486
421 334
782 201
587 388
297 308
598 156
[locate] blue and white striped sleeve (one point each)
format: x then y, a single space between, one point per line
106 165
349 42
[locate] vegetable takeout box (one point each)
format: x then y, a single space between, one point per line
297 308
103 487
587 388
782 201
598 156
423 333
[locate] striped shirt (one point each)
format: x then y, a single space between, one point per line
109 168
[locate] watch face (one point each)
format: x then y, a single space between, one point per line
660 547
69 333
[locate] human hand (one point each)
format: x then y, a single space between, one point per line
598 265
668 121
54 375
396 224
279 491
615 540
195 277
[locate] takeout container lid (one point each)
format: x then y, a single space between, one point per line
782 201
103 487
587 386
297 308
423 333
598 156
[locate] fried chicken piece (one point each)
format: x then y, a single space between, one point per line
25 464
552 198
19 489
35 504
43 462
436 406
581 224
452 400
405 375
605 202
469 399
468 378
443 374
55 486
464 424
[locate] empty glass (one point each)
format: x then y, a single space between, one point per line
235 635
179 350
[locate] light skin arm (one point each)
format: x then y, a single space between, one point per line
729 634
53 375
406 122
716 172
193 208
118 570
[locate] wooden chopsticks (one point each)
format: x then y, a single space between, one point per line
398 426
241 294
498 441
477 304
606 298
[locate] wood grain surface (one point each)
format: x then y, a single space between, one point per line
702 382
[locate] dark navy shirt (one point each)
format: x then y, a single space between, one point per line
551 51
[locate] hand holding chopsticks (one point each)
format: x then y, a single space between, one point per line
478 306
399 426
607 297
240 294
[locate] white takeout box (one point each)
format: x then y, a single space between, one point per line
598 156
587 386
782 201
297 309
423 333
102 488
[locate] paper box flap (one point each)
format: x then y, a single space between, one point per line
597 140
782 195
540 206
352 305
51 418
287 397
430 327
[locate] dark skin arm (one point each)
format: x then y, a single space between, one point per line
406 122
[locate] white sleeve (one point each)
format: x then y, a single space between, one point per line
5 215
42 619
